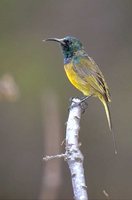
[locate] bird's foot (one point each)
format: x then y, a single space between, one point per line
84 98
84 106
71 99
79 102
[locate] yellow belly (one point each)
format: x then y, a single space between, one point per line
78 82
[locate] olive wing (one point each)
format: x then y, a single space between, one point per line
88 70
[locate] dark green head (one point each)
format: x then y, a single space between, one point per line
70 46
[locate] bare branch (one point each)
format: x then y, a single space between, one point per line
74 155
46 158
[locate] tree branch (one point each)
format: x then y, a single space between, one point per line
73 153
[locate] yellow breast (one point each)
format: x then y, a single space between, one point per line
78 82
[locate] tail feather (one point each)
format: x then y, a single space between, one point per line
107 111
108 115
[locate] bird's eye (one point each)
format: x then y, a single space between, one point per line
67 42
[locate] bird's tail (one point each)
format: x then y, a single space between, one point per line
107 111
108 115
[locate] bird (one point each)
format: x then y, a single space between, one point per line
84 74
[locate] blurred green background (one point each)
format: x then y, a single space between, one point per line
42 94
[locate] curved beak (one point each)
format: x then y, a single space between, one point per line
55 40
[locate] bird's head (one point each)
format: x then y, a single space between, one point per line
70 45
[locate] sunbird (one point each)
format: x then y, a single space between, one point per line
84 73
